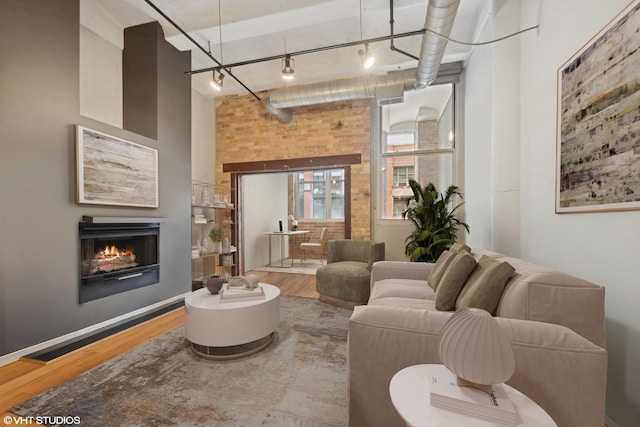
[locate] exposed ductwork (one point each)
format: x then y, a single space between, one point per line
333 91
439 19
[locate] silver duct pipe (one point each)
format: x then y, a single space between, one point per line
333 91
439 18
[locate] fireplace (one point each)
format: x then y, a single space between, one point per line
117 257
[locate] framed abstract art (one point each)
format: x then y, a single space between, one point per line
112 171
598 123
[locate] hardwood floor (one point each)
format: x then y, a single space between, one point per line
299 285
21 380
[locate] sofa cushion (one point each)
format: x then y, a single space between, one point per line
439 268
453 280
422 304
459 247
485 285
402 288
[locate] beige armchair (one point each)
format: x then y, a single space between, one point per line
345 280
314 247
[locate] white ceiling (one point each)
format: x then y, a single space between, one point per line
254 29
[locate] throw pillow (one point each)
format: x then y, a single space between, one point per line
439 268
453 280
458 247
485 285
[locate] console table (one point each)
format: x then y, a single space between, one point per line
282 235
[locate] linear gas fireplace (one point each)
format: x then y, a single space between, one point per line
117 257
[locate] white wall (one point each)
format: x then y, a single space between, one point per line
101 44
492 149
203 138
264 201
477 147
505 150
601 247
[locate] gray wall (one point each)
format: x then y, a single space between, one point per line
39 106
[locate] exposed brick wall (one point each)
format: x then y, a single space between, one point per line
246 132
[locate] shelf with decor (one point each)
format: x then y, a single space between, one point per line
213 250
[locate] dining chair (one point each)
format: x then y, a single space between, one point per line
314 247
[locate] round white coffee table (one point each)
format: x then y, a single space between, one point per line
230 330
409 389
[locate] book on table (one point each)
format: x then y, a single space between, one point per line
235 294
446 394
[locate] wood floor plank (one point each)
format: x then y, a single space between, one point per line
16 370
300 285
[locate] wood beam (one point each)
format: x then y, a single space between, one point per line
284 165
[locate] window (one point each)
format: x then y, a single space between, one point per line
402 175
416 143
320 194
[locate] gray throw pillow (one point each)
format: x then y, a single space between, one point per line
453 280
439 268
485 285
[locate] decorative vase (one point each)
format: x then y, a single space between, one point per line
217 247
214 284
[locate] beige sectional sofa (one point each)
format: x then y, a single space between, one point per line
554 321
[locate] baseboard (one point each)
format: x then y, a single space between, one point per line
15 356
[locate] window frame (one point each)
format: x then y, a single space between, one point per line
326 197
379 158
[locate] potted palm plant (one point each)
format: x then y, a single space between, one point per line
433 214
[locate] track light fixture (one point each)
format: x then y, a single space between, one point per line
367 58
216 83
287 67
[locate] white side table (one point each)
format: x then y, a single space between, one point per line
231 329
409 389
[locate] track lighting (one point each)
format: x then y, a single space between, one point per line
216 83
367 58
287 67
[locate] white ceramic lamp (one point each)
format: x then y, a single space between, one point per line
475 349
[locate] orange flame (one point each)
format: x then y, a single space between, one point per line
113 251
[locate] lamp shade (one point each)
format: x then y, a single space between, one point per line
473 347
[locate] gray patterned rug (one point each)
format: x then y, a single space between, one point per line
299 380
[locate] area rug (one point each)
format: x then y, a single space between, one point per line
299 380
